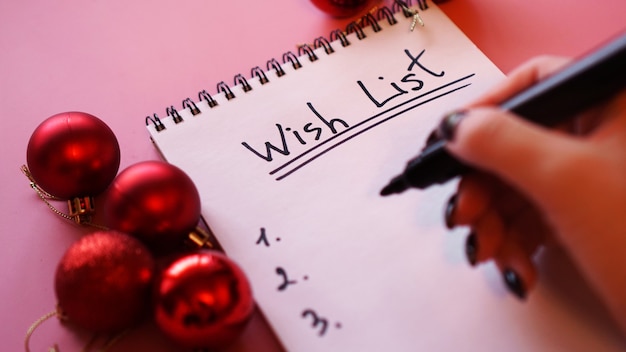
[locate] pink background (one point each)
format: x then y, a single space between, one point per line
122 60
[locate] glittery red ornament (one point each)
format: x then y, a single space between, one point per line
103 281
203 300
341 8
154 201
73 154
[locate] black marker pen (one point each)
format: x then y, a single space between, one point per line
582 84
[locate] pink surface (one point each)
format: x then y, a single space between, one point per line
123 60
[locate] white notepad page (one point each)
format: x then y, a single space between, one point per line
289 174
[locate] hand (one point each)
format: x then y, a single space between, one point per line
540 186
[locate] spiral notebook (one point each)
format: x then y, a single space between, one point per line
289 162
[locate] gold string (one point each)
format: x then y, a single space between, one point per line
45 196
34 326
55 348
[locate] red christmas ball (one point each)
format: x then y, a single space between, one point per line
203 300
154 201
341 8
73 154
103 281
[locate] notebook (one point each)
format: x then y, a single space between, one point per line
289 162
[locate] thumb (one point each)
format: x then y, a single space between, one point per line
532 158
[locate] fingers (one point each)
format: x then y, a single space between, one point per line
523 237
499 142
473 200
518 271
504 228
516 158
524 155
522 77
610 121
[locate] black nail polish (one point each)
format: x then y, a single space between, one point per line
471 249
514 283
448 214
449 123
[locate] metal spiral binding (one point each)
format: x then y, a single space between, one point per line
336 36
273 64
204 95
240 79
339 35
354 27
189 104
224 88
291 57
323 42
385 12
156 121
400 5
306 49
258 72
171 111
369 19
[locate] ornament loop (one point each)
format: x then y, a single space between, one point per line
35 325
34 185
55 348
80 208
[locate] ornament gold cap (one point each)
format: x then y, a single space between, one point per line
81 209
200 238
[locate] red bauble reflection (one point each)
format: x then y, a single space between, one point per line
203 300
103 281
154 201
341 8
73 154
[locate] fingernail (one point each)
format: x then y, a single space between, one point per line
514 283
471 248
449 123
449 212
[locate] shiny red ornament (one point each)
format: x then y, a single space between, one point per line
341 8
155 201
203 300
73 154
103 281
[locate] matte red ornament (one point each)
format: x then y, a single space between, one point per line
103 281
73 154
203 300
341 8
154 201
